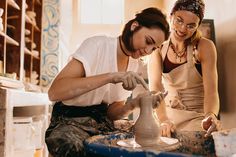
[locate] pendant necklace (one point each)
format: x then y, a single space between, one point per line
122 47
178 54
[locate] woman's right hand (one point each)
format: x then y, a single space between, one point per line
166 128
129 80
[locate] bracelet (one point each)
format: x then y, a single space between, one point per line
210 113
167 121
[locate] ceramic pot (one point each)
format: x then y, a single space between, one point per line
146 128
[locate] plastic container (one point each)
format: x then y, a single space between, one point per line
23 133
225 142
39 125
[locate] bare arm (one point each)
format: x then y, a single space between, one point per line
72 82
118 110
155 84
208 58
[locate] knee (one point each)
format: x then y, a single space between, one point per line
62 147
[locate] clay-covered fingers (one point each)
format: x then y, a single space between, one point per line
131 79
167 128
141 81
159 96
213 125
156 100
129 82
206 123
144 94
165 131
211 129
162 95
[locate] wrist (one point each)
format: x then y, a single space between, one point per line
163 119
111 77
210 114
166 121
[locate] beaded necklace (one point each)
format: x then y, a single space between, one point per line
178 54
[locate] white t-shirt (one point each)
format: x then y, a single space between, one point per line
99 55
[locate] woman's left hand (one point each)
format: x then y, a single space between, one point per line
166 128
157 97
210 123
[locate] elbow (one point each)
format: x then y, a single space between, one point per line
113 117
110 116
52 96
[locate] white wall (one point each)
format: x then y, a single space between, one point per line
83 31
224 14
65 31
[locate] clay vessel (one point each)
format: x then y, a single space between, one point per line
146 128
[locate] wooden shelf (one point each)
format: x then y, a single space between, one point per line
11 27
9 39
13 17
28 20
27 51
36 57
13 4
37 28
18 64
10 83
23 56
38 2
36 99
2 34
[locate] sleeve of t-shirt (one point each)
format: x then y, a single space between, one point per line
87 54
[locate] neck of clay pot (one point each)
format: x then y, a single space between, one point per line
146 109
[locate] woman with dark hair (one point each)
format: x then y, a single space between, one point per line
92 89
185 66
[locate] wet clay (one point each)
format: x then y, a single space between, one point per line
146 128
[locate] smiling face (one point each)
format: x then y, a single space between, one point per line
146 40
183 25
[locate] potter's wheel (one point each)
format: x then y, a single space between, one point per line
106 145
164 144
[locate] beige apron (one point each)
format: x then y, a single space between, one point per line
185 93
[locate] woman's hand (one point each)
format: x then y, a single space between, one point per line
210 123
129 80
156 99
166 128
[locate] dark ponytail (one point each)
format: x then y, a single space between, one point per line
149 18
